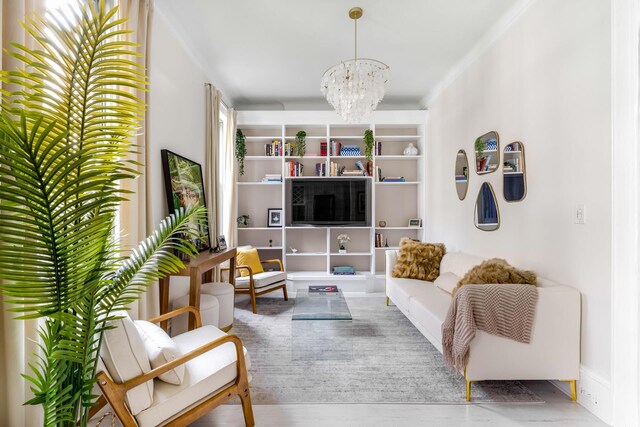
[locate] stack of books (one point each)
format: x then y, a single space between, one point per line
336 169
321 169
377 148
288 149
344 270
461 178
294 168
323 148
335 148
273 149
379 240
352 172
394 179
272 177
350 151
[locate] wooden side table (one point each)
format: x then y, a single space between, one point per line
200 270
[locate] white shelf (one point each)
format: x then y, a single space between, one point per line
513 152
351 254
398 183
397 137
336 227
258 228
332 177
261 138
512 173
322 275
489 151
306 157
263 248
279 183
390 248
346 157
398 228
263 157
397 157
360 137
306 254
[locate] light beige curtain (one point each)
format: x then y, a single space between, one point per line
18 339
228 179
212 153
134 214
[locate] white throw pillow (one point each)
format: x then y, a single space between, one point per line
125 358
447 282
161 349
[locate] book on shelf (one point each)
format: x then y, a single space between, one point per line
334 148
321 169
323 148
336 169
378 240
377 148
461 178
273 149
394 179
344 270
352 172
294 168
362 167
272 177
323 289
350 151
378 174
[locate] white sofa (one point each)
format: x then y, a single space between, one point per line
552 354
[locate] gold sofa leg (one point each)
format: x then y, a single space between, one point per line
572 385
387 300
469 390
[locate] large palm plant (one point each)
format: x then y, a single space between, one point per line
67 119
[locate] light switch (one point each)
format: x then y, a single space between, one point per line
580 214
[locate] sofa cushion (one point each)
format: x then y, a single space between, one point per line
262 280
125 357
418 260
161 349
447 281
430 309
204 376
404 289
458 263
496 271
251 259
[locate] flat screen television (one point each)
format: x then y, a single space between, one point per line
330 201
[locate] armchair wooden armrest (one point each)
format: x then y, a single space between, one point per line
274 261
115 393
187 309
238 267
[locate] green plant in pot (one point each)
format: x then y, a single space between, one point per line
300 145
368 144
479 148
241 150
66 128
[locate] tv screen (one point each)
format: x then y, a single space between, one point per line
334 201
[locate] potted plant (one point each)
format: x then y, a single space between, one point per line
300 145
66 131
342 240
241 150
368 144
243 221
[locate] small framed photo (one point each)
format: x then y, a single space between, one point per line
415 222
274 217
222 243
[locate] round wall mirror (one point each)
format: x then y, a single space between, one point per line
487 148
462 174
487 215
514 175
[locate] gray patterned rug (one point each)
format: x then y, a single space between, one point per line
379 357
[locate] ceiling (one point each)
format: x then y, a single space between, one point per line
271 54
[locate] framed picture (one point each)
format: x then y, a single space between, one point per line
274 217
185 188
415 222
222 243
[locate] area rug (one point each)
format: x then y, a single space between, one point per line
379 357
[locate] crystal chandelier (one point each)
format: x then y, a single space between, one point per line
355 87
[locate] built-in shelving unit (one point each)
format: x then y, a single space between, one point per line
317 248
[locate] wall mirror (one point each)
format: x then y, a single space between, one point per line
487 215
462 174
514 175
487 148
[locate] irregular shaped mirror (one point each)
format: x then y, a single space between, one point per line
514 176
487 214
487 149
462 174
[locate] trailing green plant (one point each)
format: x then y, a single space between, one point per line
241 150
300 145
66 128
368 144
479 147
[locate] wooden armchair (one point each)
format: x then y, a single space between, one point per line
206 385
258 284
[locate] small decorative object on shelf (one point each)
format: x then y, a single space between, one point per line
300 145
243 221
342 240
350 151
270 243
274 217
221 244
344 270
415 222
293 250
368 144
241 150
382 224
386 243
411 150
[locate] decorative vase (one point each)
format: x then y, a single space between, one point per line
342 251
411 150
382 224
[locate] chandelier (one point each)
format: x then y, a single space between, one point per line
356 86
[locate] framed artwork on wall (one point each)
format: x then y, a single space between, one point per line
184 187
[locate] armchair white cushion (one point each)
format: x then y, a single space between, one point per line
205 375
161 349
125 357
262 280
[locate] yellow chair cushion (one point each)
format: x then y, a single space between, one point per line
251 259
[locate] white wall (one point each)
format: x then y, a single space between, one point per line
545 82
176 110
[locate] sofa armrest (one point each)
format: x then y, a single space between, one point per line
391 258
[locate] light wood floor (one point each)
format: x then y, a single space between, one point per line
558 410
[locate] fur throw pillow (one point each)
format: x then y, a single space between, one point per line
496 271
418 260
